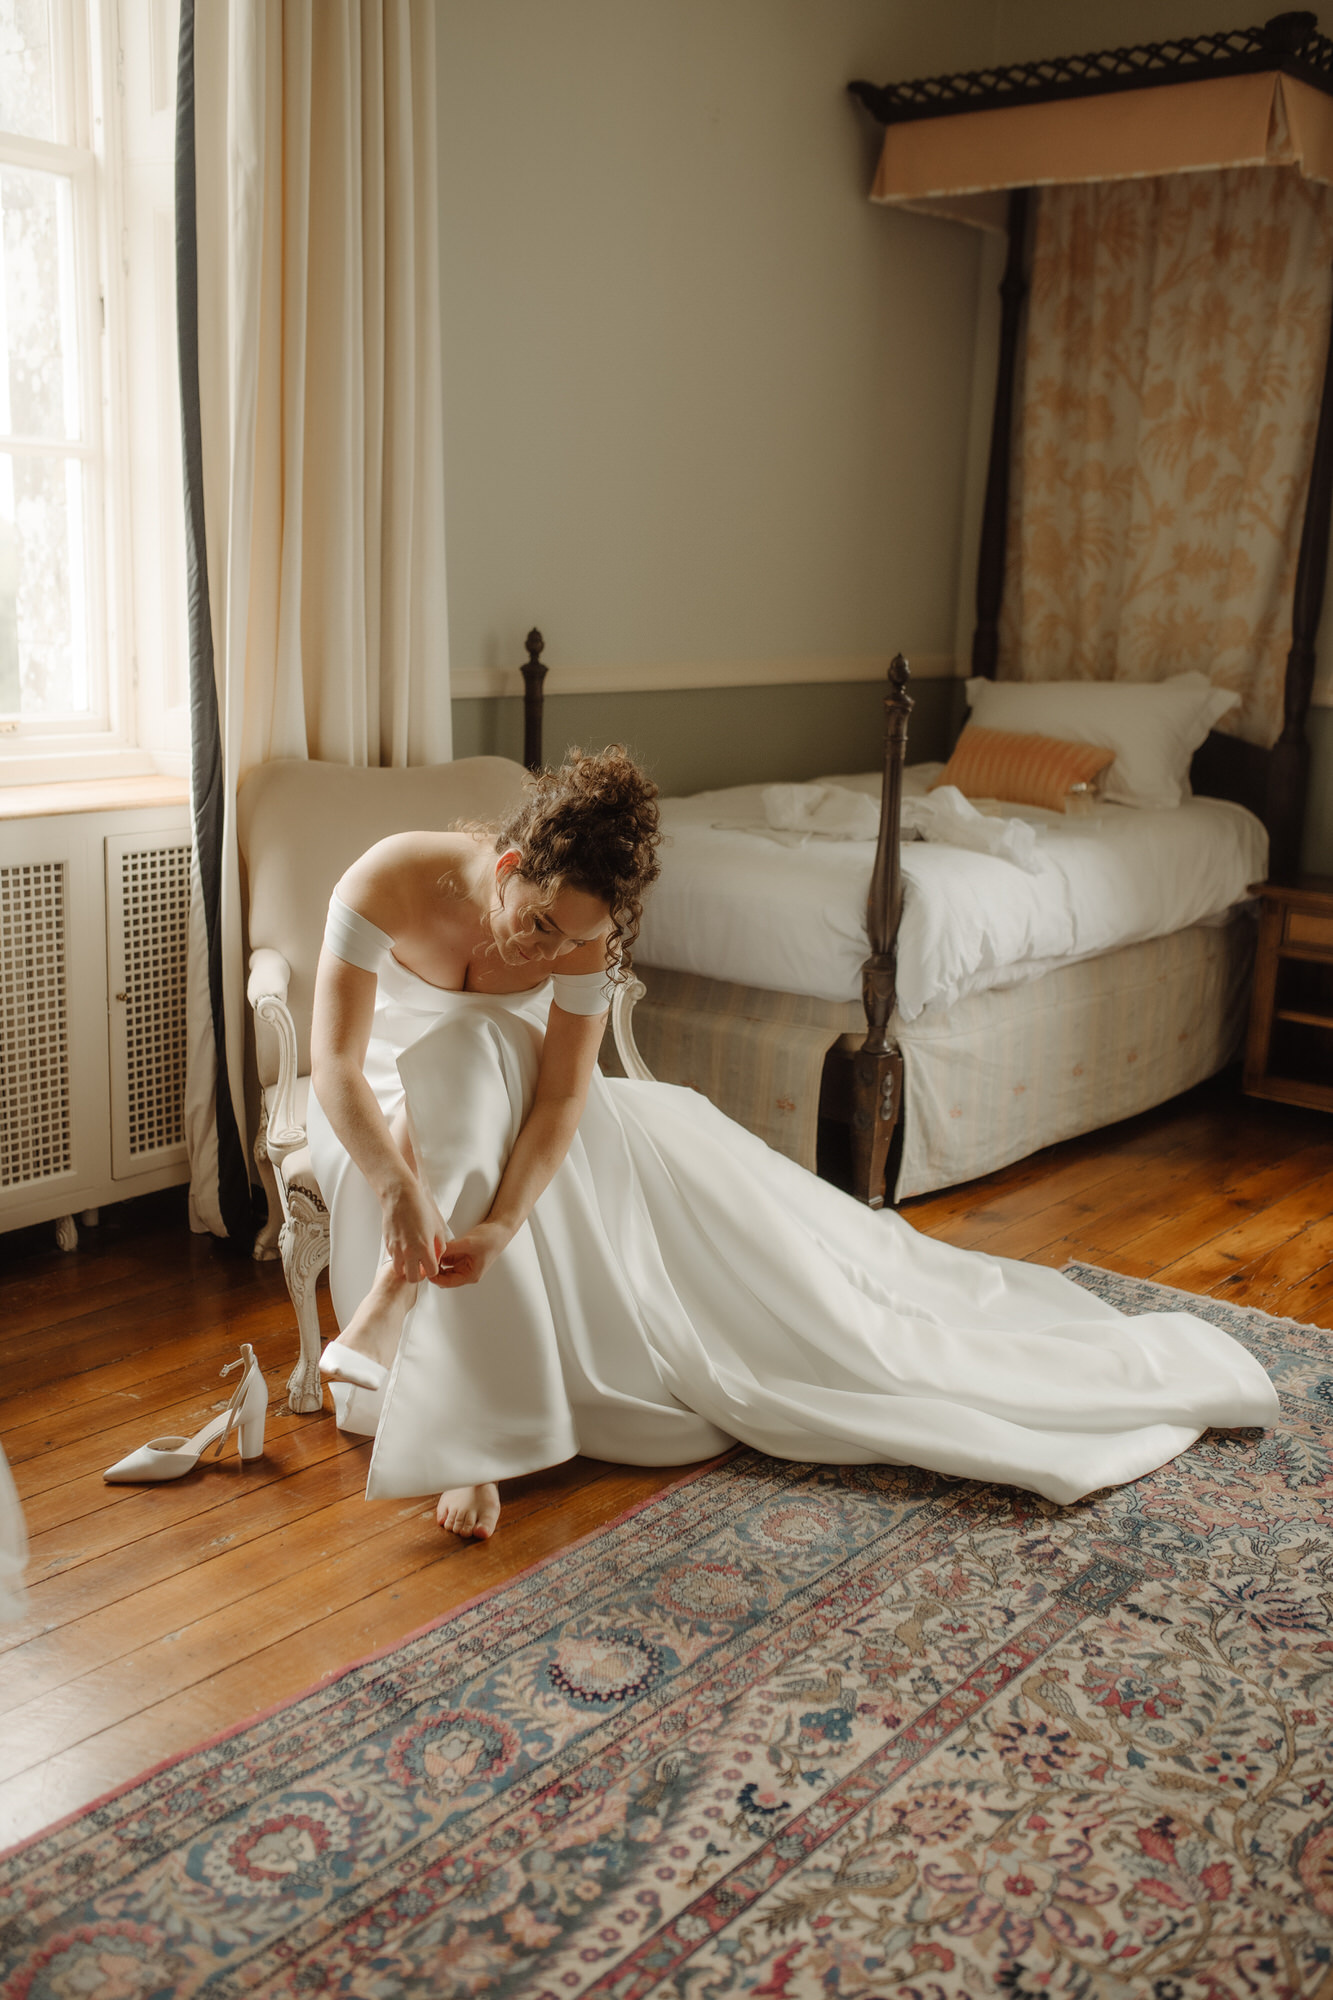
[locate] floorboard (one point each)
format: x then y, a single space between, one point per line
161 1616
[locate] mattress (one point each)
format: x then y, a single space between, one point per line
737 903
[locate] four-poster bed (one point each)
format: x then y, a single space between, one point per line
1263 121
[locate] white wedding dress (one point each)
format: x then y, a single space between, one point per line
679 1286
13 1547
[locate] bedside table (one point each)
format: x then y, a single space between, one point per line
1289 1052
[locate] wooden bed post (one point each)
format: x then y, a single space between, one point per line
877 1067
995 512
534 671
1289 761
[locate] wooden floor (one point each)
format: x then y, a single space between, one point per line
162 1615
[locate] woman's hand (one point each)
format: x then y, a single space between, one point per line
467 1258
414 1230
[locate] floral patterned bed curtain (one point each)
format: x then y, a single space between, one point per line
1176 341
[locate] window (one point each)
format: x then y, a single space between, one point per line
53 671
92 676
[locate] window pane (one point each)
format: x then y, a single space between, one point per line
39 384
25 69
43 617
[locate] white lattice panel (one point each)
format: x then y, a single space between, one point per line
35 1131
148 910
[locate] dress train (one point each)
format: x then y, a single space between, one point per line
679 1286
13 1547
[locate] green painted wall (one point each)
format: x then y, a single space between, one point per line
693 739
704 401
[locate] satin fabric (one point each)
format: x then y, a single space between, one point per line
679 1285
13 1547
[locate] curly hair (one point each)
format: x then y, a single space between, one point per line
591 825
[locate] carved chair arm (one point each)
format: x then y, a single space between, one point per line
623 1002
270 976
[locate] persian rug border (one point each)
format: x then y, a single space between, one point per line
335 1674
1185 1301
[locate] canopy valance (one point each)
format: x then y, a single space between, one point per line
1242 121
1252 97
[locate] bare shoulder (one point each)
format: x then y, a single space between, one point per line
390 881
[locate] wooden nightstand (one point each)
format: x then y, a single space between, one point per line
1289 1053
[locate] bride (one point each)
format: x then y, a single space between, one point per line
529 1260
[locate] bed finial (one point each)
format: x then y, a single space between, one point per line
534 671
1287 34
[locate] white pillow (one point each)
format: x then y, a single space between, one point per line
1154 727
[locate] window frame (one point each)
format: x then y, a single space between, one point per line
86 57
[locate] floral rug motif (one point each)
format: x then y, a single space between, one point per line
786 1732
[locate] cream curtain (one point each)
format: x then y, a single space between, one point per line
1177 333
308 128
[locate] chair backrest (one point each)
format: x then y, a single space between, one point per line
301 825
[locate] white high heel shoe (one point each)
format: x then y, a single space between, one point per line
349 1365
169 1457
343 1364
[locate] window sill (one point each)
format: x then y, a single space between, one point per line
56 761
88 795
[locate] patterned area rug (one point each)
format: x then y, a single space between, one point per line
784 1732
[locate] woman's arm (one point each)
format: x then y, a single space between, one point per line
344 1010
569 1056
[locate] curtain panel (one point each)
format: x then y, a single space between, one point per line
1174 358
309 314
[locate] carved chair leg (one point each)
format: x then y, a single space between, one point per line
267 1241
305 1253
877 1092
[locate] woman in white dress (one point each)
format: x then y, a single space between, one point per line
13 1547
529 1260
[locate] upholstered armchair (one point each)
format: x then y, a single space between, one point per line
301 825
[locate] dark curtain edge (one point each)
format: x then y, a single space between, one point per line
207 778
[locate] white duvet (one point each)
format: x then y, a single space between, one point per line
737 903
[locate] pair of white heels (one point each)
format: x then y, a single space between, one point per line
169 1457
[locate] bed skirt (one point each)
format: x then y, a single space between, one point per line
758 1055
988 1080
996 1077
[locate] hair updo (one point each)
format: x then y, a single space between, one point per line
591 825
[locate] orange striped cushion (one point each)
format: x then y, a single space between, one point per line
1024 770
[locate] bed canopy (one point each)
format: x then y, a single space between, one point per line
1211 556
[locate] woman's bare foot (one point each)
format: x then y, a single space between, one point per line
470 1510
371 1336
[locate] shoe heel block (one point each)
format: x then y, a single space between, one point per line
252 1416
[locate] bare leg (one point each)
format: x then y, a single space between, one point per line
470 1511
375 1328
376 1325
